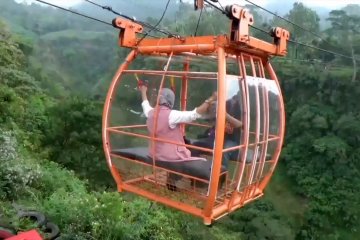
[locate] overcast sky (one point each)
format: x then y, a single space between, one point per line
331 4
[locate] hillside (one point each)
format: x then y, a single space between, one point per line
55 69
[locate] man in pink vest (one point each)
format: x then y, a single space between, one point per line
167 126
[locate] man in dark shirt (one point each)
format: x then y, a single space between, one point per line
232 133
233 127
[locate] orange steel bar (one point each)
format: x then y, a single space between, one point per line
241 20
159 140
128 126
282 126
271 137
184 86
184 93
201 44
266 132
220 210
199 4
265 141
236 169
262 71
106 117
178 76
257 129
244 195
165 169
253 66
172 203
156 115
238 46
232 148
246 124
239 203
176 73
219 141
206 45
244 139
135 180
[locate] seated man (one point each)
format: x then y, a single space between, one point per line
167 125
168 128
232 131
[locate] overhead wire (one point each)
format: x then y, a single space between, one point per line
80 14
221 6
307 45
286 20
71 11
198 22
287 59
260 30
290 40
214 6
159 21
284 60
321 49
145 24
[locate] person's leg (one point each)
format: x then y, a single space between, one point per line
231 155
204 143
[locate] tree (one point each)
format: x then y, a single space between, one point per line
345 27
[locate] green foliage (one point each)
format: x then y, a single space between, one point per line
16 172
58 55
73 138
320 140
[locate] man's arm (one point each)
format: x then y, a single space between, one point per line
145 103
177 117
202 109
233 121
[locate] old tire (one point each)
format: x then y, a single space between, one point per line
37 217
51 230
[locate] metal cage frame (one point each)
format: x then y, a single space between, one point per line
239 47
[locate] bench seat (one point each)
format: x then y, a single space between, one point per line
198 168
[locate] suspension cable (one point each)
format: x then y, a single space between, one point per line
159 21
286 20
80 14
261 30
198 22
321 49
71 11
290 40
214 6
145 24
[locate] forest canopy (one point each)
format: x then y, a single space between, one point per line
55 68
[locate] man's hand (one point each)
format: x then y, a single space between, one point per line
213 97
143 89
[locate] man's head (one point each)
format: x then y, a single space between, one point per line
167 97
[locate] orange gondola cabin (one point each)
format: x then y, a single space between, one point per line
237 67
